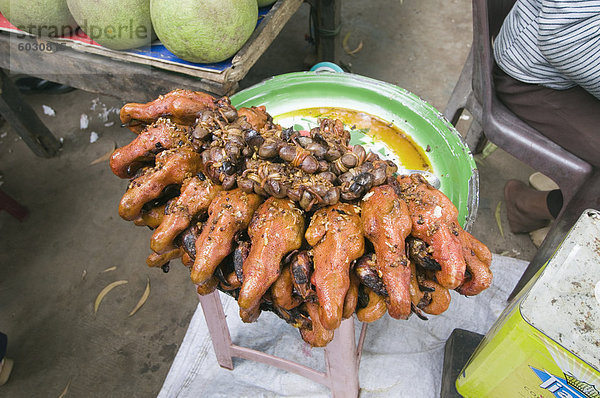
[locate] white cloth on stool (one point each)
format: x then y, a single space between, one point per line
400 358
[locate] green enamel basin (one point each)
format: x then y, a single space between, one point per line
450 158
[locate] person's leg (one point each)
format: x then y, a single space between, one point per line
570 117
527 209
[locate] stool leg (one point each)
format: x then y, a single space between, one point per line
217 327
341 361
12 207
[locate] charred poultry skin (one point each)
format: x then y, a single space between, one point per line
229 213
335 233
275 230
426 294
197 193
172 167
387 223
435 221
182 105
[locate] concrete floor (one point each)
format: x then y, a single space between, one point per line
53 264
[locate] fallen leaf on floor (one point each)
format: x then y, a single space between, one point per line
347 49
104 157
498 219
64 393
93 137
488 150
110 269
48 111
105 291
142 299
84 121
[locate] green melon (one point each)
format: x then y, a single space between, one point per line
263 3
204 31
42 17
116 24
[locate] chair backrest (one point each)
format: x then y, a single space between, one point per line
504 128
488 16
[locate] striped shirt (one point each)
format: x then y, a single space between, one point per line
554 43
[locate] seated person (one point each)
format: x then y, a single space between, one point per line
547 72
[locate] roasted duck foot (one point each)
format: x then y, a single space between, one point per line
335 233
196 195
229 213
161 135
158 260
282 290
478 258
275 230
186 260
351 299
182 105
435 221
387 223
172 167
230 282
151 218
207 287
316 335
373 309
426 294
250 315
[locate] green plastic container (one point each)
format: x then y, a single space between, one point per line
546 344
450 158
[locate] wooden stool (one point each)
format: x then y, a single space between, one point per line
342 354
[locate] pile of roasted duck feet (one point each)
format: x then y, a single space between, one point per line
278 218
